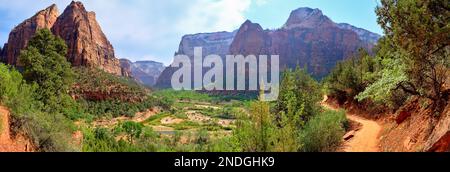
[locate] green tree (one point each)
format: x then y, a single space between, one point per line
132 129
351 76
45 64
254 133
418 32
299 94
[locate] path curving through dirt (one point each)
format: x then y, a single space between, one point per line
366 139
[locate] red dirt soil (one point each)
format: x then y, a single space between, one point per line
7 142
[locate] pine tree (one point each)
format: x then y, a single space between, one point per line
45 64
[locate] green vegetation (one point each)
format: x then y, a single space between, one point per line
350 77
417 38
46 66
97 85
50 97
296 123
412 59
37 100
324 132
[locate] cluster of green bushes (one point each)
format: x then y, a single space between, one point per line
135 137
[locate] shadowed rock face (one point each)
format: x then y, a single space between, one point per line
21 34
88 45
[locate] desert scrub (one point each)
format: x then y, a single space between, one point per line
324 132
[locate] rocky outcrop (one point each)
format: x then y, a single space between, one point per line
307 39
439 141
147 72
250 39
125 66
308 18
144 72
364 35
212 43
87 44
21 34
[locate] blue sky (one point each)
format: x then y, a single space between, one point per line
152 29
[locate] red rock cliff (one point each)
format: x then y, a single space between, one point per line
88 45
21 34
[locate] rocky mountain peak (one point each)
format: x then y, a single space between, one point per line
250 39
307 18
21 34
88 45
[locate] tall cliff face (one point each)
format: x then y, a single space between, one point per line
21 34
250 39
147 72
212 43
144 72
87 44
308 38
125 65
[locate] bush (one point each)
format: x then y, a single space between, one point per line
47 131
324 132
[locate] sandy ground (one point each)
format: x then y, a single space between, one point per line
366 139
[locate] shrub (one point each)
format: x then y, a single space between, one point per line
324 132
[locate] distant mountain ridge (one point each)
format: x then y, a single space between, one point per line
308 38
145 72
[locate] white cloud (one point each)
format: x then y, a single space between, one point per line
140 27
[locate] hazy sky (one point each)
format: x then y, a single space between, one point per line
152 29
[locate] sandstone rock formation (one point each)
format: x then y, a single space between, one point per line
21 34
144 72
212 43
125 66
308 38
147 72
363 34
88 45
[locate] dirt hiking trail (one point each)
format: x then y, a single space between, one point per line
366 139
